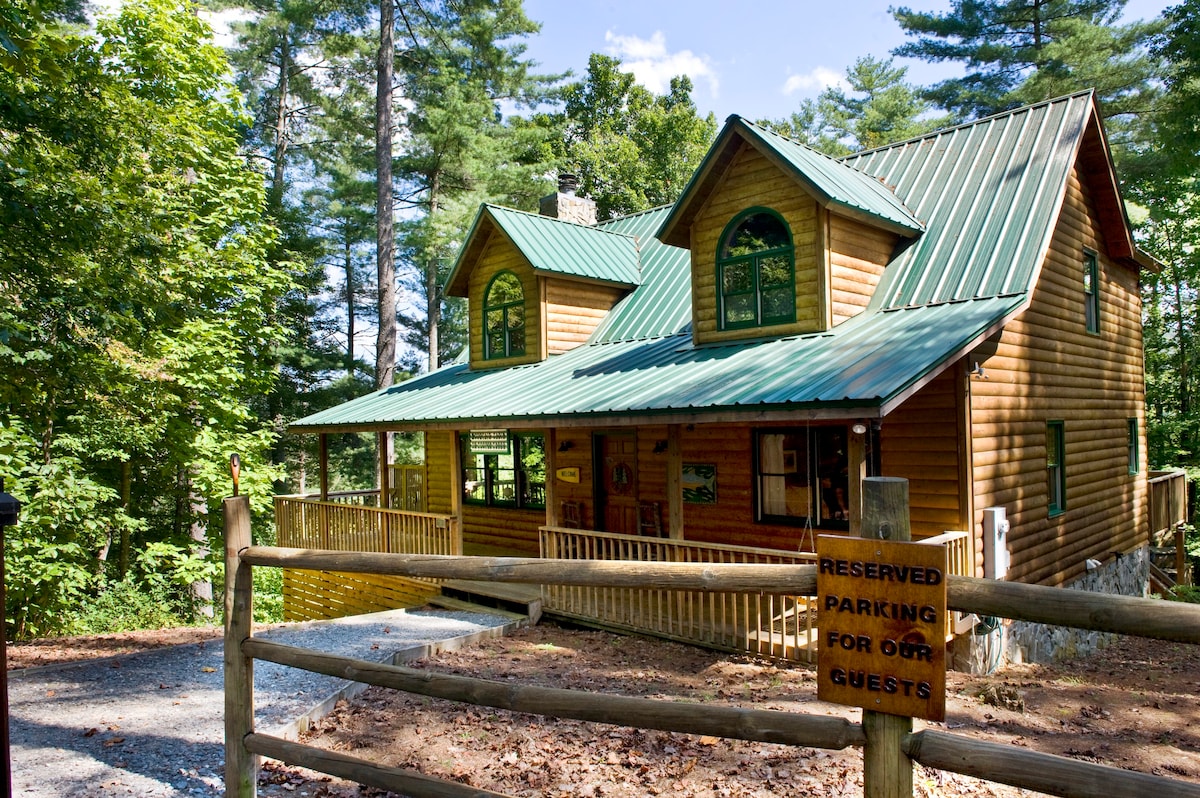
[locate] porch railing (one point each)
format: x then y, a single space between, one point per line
307 523
778 626
1168 520
350 522
770 625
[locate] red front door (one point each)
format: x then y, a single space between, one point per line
616 481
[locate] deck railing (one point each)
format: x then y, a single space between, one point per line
349 522
1168 520
304 522
771 625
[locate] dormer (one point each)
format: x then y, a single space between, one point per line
783 240
537 286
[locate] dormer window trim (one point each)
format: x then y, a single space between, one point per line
740 277
508 312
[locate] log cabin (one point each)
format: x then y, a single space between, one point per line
962 310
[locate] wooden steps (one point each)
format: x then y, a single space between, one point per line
521 600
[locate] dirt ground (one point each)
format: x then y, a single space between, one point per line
1134 705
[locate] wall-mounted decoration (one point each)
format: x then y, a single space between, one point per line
488 441
568 475
700 483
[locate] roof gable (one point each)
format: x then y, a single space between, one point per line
551 246
833 183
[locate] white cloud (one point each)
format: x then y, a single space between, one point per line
653 66
813 82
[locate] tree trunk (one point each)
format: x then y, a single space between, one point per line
126 503
202 591
385 343
281 117
433 300
349 266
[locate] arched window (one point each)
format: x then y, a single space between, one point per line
756 272
503 317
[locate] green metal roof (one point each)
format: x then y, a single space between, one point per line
838 184
663 303
989 193
553 246
858 367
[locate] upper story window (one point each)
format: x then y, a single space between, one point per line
503 317
1091 292
756 272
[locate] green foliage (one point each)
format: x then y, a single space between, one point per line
1186 593
126 606
141 299
1020 51
879 109
630 149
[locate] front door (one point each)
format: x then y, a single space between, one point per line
616 481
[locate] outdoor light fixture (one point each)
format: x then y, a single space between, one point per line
660 447
859 429
566 446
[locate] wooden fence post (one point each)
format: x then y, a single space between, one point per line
887 770
241 767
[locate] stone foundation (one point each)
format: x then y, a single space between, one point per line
1020 641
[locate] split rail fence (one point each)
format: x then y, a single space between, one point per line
1045 773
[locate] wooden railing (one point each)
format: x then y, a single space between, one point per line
348 523
307 523
1168 521
771 625
766 624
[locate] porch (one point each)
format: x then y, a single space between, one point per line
768 625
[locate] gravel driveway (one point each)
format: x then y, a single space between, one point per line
152 724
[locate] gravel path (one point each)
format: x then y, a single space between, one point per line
152 724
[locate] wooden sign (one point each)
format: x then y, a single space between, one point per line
488 441
568 475
881 616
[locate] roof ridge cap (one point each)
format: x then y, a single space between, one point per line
596 227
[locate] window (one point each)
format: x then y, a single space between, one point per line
1056 472
755 272
1135 464
503 317
1091 292
803 476
515 479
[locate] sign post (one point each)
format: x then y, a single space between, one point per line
882 618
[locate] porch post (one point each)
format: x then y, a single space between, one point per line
674 484
551 477
323 464
856 457
385 474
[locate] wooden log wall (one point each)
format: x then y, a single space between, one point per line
578 445
921 442
1046 366
857 255
442 482
499 255
751 180
574 308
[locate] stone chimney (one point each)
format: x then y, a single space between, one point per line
566 206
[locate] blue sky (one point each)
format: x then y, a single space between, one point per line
758 59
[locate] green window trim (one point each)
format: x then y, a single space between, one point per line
1091 291
516 479
503 317
1135 458
1056 468
756 272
